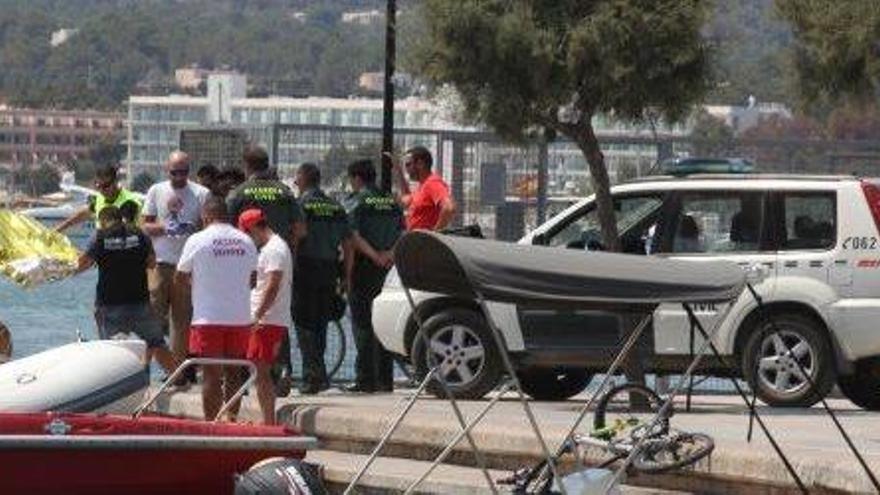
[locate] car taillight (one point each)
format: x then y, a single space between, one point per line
872 196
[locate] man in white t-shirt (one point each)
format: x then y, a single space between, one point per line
171 213
270 304
220 264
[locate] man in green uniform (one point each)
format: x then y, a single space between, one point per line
317 273
376 221
283 215
109 194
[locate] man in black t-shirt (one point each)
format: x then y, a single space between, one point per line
122 300
263 191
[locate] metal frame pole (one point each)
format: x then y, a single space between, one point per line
505 359
667 405
478 454
609 374
252 377
452 443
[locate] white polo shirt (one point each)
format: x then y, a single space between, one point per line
274 257
221 260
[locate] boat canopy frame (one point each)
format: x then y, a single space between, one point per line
546 278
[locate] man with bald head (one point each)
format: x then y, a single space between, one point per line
172 212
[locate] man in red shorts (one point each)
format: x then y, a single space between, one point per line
270 304
430 206
219 262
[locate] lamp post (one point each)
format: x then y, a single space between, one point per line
388 107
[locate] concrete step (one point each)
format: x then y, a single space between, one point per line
390 475
354 424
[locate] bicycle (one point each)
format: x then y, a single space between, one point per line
662 448
337 347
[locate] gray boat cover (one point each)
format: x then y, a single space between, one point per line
538 276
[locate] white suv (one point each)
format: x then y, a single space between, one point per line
814 239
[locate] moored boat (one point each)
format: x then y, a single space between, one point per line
94 376
42 453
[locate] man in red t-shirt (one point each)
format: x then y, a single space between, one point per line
430 206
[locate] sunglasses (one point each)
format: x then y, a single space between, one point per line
103 185
179 173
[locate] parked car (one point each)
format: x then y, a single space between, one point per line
813 240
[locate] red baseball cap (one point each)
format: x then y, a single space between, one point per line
249 218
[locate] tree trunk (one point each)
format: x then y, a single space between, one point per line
589 145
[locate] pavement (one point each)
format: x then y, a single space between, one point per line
352 424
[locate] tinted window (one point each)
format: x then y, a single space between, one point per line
718 222
810 221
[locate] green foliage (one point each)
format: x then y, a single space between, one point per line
750 53
521 67
711 135
38 181
836 52
124 47
517 63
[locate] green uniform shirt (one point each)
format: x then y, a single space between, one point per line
327 226
98 202
273 197
377 217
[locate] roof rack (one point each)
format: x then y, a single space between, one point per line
750 176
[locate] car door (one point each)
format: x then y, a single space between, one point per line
718 224
807 233
570 332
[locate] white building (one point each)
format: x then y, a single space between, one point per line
155 124
364 18
742 118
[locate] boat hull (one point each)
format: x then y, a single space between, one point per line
95 376
98 454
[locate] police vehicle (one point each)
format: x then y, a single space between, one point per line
810 243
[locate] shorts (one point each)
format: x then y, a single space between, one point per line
219 341
265 343
136 318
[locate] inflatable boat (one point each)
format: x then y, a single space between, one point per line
48 453
96 376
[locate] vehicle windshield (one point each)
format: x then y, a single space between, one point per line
583 228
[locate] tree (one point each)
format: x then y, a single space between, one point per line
37 181
556 64
836 51
711 136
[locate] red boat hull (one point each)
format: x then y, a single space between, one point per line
119 455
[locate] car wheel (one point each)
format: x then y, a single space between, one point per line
552 384
462 346
863 387
773 372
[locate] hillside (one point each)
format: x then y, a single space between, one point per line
133 46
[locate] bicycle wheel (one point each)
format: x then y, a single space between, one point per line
675 451
336 346
613 407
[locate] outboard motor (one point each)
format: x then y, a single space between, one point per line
280 476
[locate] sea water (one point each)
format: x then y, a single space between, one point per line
49 315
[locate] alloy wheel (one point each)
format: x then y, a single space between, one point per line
459 353
778 369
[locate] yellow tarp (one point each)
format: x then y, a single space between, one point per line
31 254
